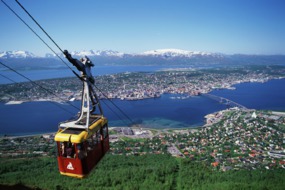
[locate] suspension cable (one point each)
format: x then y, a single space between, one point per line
114 104
9 79
37 84
48 37
62 52
115 112
55 54
19 84
24 86
38 24
36 34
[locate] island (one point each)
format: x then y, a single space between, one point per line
141 85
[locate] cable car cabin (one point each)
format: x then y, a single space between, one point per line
80 150
81 143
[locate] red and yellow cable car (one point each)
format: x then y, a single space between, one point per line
80 150
81 143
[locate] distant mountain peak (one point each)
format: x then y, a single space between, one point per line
16 54
96 53
175 53
153 57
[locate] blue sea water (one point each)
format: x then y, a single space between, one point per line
163 112
168 111
269 95
65 72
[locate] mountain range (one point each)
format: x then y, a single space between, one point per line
167 53
153 57
16 54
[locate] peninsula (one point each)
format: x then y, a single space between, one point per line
141 85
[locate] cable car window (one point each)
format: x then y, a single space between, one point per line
81 152
90 143
62 151
105 131
70 150
94 137
98 136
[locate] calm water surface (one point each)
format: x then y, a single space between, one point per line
168 111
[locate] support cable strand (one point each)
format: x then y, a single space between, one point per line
36 34
120 118
49 101
9 79
132 122
19 84
38 85
38 24
56 55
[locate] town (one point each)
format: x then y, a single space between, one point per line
141 85
232 139
237 139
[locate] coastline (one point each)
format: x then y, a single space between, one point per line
213 117
110 128
14 102
150 127
157 95
26 135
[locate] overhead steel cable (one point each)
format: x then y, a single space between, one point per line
19 84
62 52
9 79
120 118
37 35
114 104
55 52
38 24
39 86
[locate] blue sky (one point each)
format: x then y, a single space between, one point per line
135 26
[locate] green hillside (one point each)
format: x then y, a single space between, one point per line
149 171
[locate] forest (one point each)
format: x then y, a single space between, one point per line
148 171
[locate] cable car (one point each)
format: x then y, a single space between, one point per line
80 150
81 143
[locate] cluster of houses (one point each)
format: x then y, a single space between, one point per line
139 85
27 146
134 86
239 139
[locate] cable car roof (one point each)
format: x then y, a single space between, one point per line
75 135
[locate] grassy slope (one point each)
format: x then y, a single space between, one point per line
137 172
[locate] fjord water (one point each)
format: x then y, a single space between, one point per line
269 95
65 72
168 111
163 112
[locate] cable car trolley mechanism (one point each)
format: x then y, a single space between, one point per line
81 143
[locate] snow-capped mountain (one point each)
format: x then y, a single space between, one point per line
158 53
164 53
50 55
153 57
91 53
174 53
17 54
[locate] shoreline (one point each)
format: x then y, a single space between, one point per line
25 135
185 127
137 127
229 87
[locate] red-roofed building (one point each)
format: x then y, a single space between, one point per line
215 164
